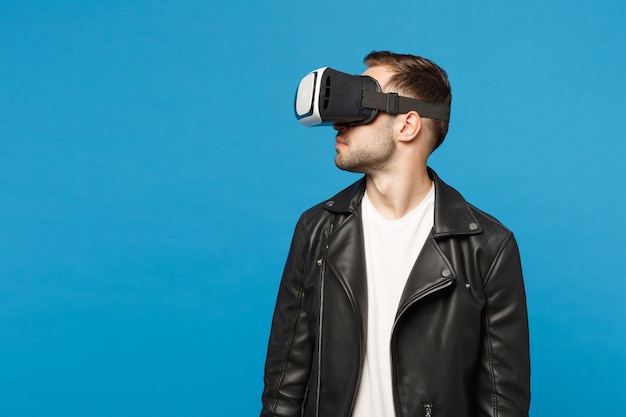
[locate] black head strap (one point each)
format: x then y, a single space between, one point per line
393 103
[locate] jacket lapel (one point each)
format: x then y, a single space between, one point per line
345 255
345 260
432 270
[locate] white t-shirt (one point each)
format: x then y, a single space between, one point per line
391 249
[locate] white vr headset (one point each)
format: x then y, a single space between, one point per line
326 96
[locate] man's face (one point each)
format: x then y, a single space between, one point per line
367 148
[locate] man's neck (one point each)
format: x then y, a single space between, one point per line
394 195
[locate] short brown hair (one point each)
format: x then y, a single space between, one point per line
419 78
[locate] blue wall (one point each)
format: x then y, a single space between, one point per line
151 174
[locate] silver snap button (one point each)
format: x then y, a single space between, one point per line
473 226
446 273
330 203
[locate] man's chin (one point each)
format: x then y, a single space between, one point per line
342 165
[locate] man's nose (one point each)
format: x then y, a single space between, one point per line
340 127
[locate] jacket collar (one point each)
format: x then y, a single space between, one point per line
453 215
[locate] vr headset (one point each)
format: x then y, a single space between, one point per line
326 96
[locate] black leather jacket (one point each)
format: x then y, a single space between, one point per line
460 339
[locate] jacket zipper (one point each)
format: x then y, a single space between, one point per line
322 264
428 410
433 289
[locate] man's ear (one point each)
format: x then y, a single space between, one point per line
411 125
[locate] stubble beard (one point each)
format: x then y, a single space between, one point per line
374 157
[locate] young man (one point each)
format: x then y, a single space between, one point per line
398 297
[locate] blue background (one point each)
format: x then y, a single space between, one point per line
151 174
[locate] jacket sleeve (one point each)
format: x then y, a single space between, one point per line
288 362
504 369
